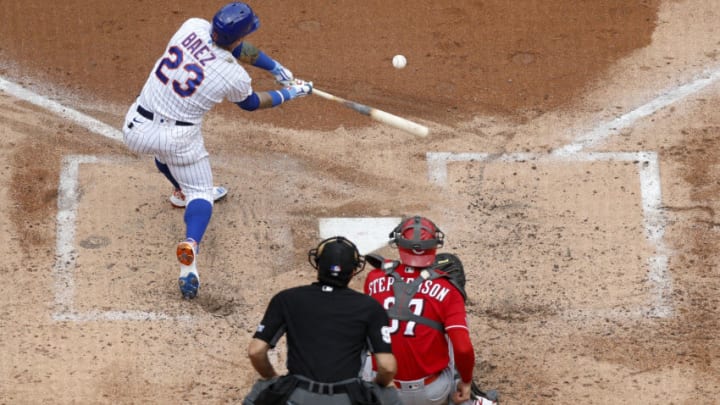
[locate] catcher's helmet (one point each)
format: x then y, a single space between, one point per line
417 239
233 21
337 261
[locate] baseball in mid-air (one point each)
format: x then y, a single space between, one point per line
399 61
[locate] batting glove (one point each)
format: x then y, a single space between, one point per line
283 75
300 88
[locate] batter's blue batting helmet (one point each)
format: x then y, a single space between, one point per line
233 21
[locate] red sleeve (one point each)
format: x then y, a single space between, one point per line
463 351
455 321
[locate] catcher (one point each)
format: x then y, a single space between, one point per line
424 295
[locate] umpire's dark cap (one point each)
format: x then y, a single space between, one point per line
337 260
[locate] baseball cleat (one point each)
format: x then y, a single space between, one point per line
189 285
177 199
186 251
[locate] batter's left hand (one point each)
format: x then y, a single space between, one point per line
283 75
300 88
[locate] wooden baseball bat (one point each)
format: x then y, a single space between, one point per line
378 115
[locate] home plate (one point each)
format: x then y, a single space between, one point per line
368 234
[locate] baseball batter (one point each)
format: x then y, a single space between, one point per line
199 69
434 312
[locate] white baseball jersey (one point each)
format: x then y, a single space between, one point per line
186 82
193 75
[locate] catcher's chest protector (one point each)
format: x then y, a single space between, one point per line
404 292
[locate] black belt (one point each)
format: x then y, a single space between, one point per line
324 388
149 115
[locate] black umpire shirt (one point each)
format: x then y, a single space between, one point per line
328 329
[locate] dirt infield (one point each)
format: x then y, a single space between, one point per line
571 162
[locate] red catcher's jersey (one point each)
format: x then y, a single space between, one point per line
420 350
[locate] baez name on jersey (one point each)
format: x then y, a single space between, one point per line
197 49
429 288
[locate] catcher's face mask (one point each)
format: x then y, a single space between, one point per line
417 239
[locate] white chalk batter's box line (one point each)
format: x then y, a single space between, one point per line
654 222
65 253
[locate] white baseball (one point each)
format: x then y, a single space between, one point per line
399 61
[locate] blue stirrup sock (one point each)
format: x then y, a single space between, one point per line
197 218
164 169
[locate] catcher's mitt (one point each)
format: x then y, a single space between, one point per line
375 260
452 268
